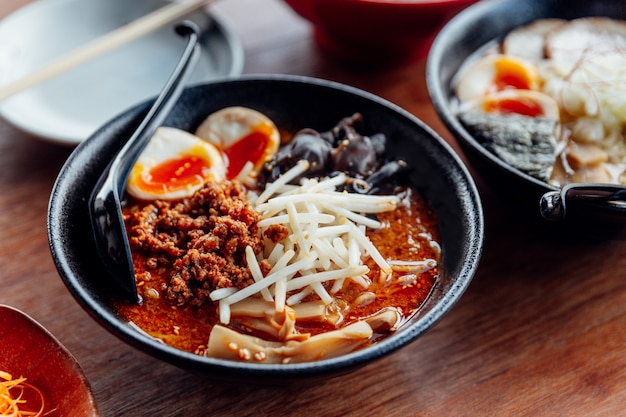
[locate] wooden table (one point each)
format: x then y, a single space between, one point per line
540 332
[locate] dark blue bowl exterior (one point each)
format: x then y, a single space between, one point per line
293 103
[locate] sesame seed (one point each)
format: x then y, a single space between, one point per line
244 354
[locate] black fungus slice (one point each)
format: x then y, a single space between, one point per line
341 149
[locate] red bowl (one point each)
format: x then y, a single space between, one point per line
377 31
28 350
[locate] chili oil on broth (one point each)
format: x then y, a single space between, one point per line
408 234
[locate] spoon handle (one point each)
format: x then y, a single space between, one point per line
553 204
125 159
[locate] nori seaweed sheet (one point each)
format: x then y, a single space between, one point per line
525 143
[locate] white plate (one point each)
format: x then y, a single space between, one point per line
69 108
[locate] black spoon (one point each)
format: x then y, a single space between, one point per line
553 204
104 203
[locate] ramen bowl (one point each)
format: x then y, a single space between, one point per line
377 31
470 33
292 103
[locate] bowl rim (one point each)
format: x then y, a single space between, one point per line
225 368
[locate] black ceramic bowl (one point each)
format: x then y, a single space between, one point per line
293 103
485 22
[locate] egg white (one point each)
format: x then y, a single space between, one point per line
227 126
169 143
548 105
477 80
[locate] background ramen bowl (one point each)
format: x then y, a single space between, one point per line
461 37
377 30
293 103
30 351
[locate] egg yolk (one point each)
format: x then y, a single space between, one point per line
511 73
251 147
175 174
518 105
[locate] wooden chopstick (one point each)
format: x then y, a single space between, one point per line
118 37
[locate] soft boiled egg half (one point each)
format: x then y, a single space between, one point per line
496 72
246 137
174 165
528 103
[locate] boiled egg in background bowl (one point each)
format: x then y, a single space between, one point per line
525 102
496 72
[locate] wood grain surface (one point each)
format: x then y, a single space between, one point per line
541 330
